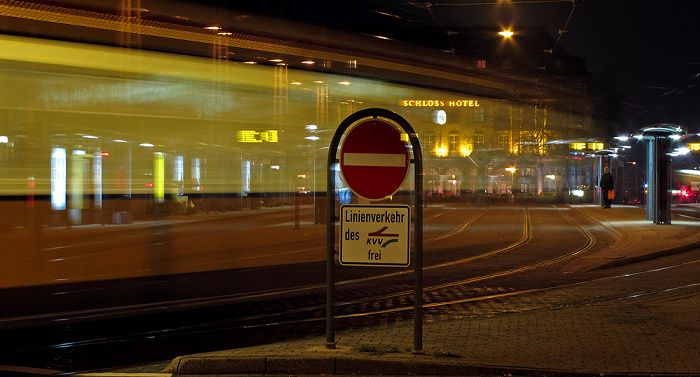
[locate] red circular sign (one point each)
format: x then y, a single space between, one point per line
374 160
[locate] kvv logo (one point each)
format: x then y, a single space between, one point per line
373 239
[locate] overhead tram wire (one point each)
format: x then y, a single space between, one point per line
563 30
482 3
449 40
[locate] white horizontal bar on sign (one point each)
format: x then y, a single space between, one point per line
374 159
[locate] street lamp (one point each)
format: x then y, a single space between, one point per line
512 183
506 33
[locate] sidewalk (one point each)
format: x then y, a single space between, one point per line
636 239
641 336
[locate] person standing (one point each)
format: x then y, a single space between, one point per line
607 185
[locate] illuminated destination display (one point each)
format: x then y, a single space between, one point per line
584 146
250 136
438 103
694 146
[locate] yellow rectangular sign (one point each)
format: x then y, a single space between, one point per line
375 235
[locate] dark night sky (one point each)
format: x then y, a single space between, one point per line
645 53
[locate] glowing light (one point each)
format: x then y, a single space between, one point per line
441 152
311 127
4 140
506 33
344 83
578 193
119 141
512 170
276 60
687 171
309 62
440 117
250 62
212 28
59 178
89 137
147 145
312 137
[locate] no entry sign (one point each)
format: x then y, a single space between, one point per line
374 160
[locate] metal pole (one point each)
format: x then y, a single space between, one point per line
296 207
330 243
659 170
418 241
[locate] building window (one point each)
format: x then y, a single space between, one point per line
429 143
481 64
529 144
478 115
454 143
478 139
504 142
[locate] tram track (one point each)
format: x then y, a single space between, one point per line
403 295
360 305
231 299
228 325
228 299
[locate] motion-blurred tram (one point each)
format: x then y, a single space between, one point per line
109 119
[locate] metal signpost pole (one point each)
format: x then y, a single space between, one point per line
331 216
418 240
330 237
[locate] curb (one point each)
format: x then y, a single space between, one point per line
344 365
650 256
338 365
